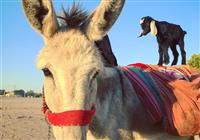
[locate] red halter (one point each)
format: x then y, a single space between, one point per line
68 118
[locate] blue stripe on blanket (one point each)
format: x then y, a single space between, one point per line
150 83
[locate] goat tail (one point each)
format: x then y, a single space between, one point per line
166 57
184 32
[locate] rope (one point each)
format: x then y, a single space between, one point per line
49 130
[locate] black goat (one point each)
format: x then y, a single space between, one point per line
168 35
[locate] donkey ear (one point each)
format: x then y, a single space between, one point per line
41 16
102 19
153 28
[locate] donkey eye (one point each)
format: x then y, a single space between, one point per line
47 72
95 75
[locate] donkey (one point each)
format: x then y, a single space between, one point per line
100 100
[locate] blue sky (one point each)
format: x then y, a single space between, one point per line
20 44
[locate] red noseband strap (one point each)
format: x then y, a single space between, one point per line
68 118
72 117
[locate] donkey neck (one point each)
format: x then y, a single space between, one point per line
116 104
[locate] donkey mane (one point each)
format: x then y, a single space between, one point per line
73 17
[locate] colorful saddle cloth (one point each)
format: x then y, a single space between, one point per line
171 95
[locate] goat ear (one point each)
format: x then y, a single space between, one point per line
41 16
102 19
153 28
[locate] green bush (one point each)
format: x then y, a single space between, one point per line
31 93
2 92
194 61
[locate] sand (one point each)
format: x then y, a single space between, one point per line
22 119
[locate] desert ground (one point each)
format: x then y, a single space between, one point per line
22 119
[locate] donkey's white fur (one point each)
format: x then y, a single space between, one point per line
60 52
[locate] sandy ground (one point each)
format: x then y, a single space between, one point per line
21 119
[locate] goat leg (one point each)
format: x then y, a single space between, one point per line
160 50
183 53
175 54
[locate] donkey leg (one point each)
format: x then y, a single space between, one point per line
183 53
175 54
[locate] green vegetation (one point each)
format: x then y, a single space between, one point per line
194 61
20 93
31 93
2 92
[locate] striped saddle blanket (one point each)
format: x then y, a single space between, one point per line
171 95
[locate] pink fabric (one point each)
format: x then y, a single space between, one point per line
145 95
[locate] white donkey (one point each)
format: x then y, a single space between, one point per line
86 99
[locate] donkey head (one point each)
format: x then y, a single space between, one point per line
148 25
70 61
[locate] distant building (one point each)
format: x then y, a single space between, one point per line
18 93
2 91
10 94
